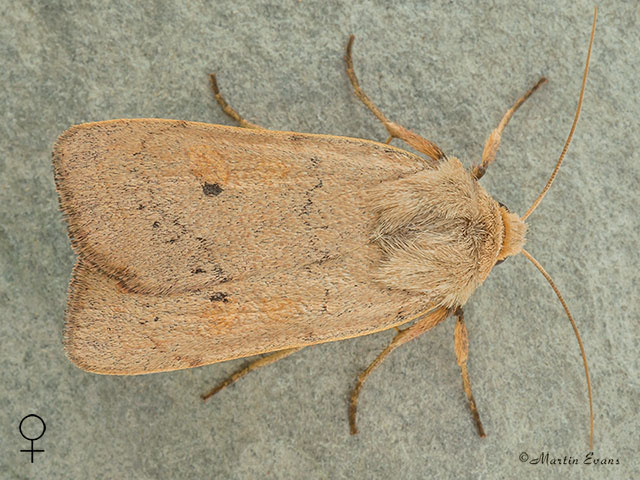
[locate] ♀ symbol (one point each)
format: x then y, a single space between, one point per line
44 427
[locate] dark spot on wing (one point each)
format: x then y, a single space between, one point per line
219 297
325 257
309 337
305 208
211 189
217 271
309 202
326 298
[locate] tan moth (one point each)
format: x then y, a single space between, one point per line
202 243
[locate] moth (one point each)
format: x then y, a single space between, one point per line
201 243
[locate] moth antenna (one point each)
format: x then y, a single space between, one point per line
573 126
575 330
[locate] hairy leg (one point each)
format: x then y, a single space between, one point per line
403 336
226 108
461 346
422 145
256 364
493 142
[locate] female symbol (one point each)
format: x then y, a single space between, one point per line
44 427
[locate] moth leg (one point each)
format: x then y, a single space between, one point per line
493 142
403 336
256 364
226 108
461 346
423 145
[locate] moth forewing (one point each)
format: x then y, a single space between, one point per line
170 206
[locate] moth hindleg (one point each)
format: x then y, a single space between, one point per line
423 145
461 346
493 142
256 364
403 336
226 108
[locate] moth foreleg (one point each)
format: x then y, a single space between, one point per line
422 145
256 364
226 108
493 142
403 336
461 346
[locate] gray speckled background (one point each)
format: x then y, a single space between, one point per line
445 70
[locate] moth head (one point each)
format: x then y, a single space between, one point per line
513 236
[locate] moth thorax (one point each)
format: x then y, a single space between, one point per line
513 237
439 233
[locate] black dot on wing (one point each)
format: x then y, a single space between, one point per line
211 189
219 297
